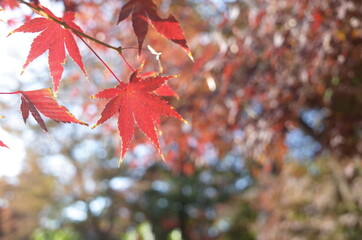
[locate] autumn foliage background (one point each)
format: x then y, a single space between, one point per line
271 149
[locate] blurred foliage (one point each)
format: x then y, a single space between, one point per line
143 232
320 200
59 234
272 150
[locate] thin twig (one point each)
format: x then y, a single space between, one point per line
125 60
17 92
109 69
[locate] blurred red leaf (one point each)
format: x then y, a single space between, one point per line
9 3
317 20
2 144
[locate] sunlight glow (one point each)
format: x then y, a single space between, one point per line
11 159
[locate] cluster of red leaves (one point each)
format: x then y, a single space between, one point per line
137 103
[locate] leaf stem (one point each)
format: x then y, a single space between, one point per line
125 60
17 92
105 64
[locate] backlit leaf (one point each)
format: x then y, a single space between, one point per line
55 38
136 104
145 11
43 101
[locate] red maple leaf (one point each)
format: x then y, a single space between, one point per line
144 11
136 104
55 38
44 102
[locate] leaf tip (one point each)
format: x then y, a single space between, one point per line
159 132
140 68
120 161
175 76
190 55
163 157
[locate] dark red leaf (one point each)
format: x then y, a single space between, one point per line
144 11
44 102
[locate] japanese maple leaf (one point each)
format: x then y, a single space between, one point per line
55 38
144 11
136 104
44 102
